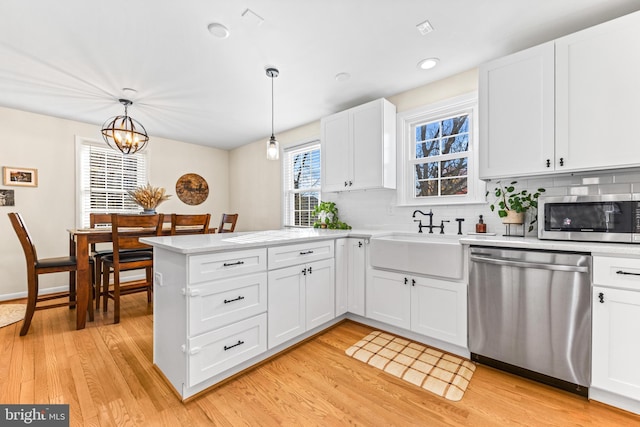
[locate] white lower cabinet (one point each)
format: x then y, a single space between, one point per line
351 268
428 306
300 298
616 332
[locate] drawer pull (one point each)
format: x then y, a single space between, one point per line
601 297
627 273
231 346
306 252
227 301
229 264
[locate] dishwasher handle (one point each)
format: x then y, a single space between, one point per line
528 264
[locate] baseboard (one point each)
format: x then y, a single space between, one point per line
614 399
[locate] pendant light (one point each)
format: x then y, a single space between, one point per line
124 133
273 149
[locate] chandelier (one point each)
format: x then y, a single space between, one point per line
124 133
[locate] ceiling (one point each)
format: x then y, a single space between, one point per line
72 58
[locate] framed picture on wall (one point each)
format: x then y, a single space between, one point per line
7 198
21 177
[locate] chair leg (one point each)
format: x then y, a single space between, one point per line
98 283
91 296
72 290
32 297
116 295
149 272
106 270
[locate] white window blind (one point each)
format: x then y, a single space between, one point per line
301 172
104 177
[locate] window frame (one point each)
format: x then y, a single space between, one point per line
82 145
406 122
288 217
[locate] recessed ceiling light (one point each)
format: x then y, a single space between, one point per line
218 30
427 64
343 77
424 27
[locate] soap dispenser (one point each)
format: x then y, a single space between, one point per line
481 227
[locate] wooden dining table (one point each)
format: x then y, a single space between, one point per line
80 240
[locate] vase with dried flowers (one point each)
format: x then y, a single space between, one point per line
148 197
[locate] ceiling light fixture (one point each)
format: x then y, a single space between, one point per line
424 27
124 133
342 77
427 64
273 150
218 30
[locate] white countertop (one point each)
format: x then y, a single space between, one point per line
198 243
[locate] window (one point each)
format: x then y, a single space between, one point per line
301 172
104 176
438 146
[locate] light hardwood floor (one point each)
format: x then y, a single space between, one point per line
105 373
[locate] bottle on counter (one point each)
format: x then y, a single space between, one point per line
481 227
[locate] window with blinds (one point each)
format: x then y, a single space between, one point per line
104 177
301 184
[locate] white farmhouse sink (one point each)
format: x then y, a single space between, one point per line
429 254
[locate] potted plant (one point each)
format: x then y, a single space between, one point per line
513 204
148 197
327 217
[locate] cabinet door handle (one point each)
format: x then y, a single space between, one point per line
406 280
548 163
628 273
194 350
601 297
413 282
229 347
360 244
304 272
306 252
350 183
229 264
561 161
310 271
346 184
239 298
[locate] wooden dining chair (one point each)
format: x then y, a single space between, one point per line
190 224
129 254
98 220
228 223
37 266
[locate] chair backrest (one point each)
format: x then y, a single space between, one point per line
190 224
97 220
228 223
127 228
25 239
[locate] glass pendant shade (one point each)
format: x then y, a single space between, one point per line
124 133
273 149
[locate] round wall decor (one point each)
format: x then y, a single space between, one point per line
192 189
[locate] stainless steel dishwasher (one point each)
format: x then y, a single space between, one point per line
530 314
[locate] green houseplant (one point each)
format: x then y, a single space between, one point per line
327 217
509 200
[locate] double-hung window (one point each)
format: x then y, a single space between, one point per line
104 177
301 178
439 155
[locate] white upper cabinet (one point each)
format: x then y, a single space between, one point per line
517 114
563 106
598 96
358 148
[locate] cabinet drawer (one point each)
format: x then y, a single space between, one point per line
214 352
286 256
219 303
616 272
207 267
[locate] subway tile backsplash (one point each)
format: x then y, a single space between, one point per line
378 209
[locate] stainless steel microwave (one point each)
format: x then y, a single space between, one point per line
602 218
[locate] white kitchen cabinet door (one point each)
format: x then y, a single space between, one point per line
597 93
439 309
615 341
357 271
319 293
337 152
359 148
516 111
389 297
286 304
342 270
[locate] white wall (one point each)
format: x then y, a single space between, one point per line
48 144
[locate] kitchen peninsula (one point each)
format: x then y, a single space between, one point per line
214 315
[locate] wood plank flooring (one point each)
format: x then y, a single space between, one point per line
105 373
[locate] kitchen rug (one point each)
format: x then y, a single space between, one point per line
438 372
11 313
